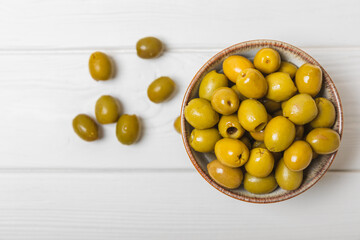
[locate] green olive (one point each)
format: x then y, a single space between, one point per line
233 65
225 101
85 127
259 185
308 79
100 66
252 115
270 105
298 156
300 109
177 124
327 114
149 47
231 152
204 140
161 89
225 176
287 179
281 86
246 141
241 97
251 83
260 163
107 109
267 60
259 135
230 127
128 129
289 68
210 83
200 114
323 140
279 134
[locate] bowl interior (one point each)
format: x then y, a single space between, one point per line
289 53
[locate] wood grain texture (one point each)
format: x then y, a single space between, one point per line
162 205
41 98
113 23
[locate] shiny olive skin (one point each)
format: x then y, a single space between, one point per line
299 132
280 87
128 129
259 135
225 176
258 144
252 115
259 185
100 66
267 60
241 97
200 114
177 124
308 79
300 109
260 163
326 115
279 134
251 83
107 110
85 127
225 101
230 127
246 141
149 47
298 156
270 105
231 152
289 68
210 83
323 140
287 179
204 140
161 89
235 64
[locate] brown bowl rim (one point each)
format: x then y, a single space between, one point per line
213 60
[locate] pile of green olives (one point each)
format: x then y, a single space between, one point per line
264 121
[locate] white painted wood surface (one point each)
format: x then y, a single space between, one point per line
55 186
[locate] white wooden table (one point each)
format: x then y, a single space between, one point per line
55 186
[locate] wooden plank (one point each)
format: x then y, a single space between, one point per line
164 205
113 23
40 99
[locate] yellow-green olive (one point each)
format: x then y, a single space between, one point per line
279 134
231 152
107 109
85 127
287 179
259 135
246 141
128 129
225 176
299 132
225 101
210 83
149 47
233 65
259 185
252 115
204 140
161 89
267 60
270 105
281 87
289 68
308 79
177 124
200 114
298 156
230 127
100 66
326 115
251 83
260 163
300 109
323 140
241 97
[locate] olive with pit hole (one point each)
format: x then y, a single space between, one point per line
252 115
231 152
230 127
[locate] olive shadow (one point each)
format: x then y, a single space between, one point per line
115 68
142 129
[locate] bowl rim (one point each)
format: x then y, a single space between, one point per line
213 61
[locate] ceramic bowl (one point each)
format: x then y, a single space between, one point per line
248 49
